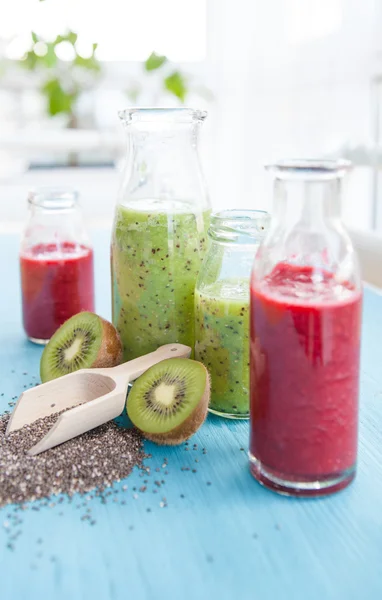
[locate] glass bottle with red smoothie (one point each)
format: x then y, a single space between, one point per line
56 263
306 302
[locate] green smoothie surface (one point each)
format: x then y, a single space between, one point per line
156 253
222 343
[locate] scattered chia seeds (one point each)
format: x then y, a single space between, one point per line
93 460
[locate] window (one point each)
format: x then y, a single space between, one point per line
126 30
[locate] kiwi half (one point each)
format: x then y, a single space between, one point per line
84 341
169 402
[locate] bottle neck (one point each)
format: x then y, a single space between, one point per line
306 229
54 227
53 201
310 204
37 210
162 164
239 227
181 140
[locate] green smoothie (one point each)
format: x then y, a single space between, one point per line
222 343
156 255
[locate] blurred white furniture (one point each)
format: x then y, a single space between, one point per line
369 248
98 188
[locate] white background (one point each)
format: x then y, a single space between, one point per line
289 77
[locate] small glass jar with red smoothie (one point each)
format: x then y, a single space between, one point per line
306 301
56 263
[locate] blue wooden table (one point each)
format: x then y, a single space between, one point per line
210 531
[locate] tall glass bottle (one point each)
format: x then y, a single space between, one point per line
305 337
160 230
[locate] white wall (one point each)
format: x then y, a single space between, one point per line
276 98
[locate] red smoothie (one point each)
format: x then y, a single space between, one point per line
305 348
56 282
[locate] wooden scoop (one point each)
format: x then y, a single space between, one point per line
100 392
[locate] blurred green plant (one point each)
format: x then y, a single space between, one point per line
62 81
154 61
177 85
169 79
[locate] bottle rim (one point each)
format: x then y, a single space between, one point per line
131 115
53 198
311 169
247 226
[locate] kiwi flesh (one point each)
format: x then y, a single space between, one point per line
84 341
169 402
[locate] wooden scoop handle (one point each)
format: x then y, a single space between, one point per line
134 368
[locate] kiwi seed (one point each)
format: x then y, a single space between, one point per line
84 341
169 402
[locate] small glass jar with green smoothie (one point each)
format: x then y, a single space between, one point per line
160 230
222 307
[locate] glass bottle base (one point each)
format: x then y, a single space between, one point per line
228 415
38 341
304 488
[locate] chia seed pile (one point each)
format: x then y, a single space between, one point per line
93 460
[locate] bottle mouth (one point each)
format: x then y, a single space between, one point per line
310 169
169 116
244 226
56 198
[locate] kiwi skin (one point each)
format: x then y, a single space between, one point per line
194 421
110 353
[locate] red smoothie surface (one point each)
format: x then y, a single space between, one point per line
56 282
305 349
